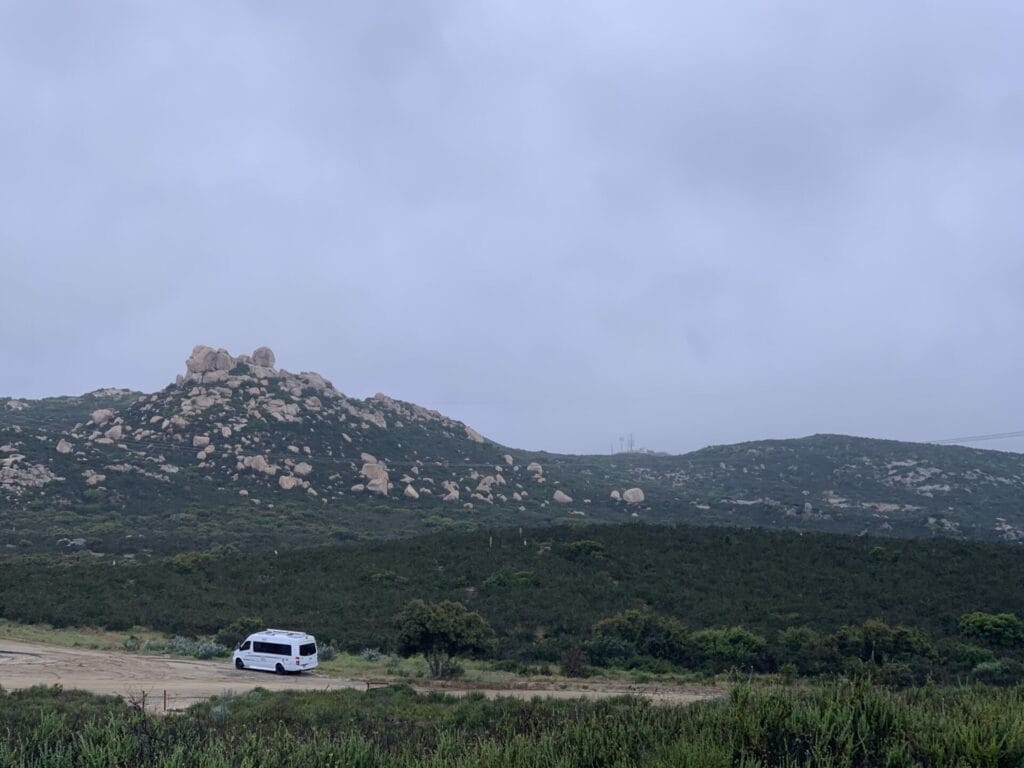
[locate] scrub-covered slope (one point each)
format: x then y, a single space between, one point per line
239 452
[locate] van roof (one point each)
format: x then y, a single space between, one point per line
284 633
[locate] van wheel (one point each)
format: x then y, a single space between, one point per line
279 669
239 664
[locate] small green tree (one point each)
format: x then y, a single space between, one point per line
585 549
642 633
1004 629
808 651
729 646
441 631
238 630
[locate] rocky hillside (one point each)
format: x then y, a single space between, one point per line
239 452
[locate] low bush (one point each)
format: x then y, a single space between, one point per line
326 652
835 726
575 663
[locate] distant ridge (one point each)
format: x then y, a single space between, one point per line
242 453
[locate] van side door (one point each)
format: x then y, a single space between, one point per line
260 659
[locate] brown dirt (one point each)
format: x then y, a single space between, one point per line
187 681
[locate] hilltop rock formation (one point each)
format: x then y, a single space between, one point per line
263 357
204 359
210 365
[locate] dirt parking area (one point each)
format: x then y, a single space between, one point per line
186 681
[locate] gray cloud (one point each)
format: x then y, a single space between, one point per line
560 223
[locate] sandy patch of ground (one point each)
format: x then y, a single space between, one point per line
187 681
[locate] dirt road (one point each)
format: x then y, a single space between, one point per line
187 681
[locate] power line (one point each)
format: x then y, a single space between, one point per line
979 438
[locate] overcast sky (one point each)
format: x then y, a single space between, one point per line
558 222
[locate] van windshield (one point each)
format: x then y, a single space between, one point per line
307 649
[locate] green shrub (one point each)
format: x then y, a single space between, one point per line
811 652
200 649
641 633
877 642
180 645
728 647
575 663
584 549
208 650
326 652
963 656
239 629
999 672
506 579
1002 629
895 675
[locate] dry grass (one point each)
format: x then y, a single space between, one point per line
74 637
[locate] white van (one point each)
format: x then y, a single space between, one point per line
277 650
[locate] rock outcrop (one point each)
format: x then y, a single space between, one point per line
259 463
205 359
376 475
211 365
451 491
101 416
263 357
633 496
18 475
562 497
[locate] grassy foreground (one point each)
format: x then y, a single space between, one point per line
839 724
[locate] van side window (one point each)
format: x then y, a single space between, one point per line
277 649
244 646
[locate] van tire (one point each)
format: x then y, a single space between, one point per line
239 664
279 670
